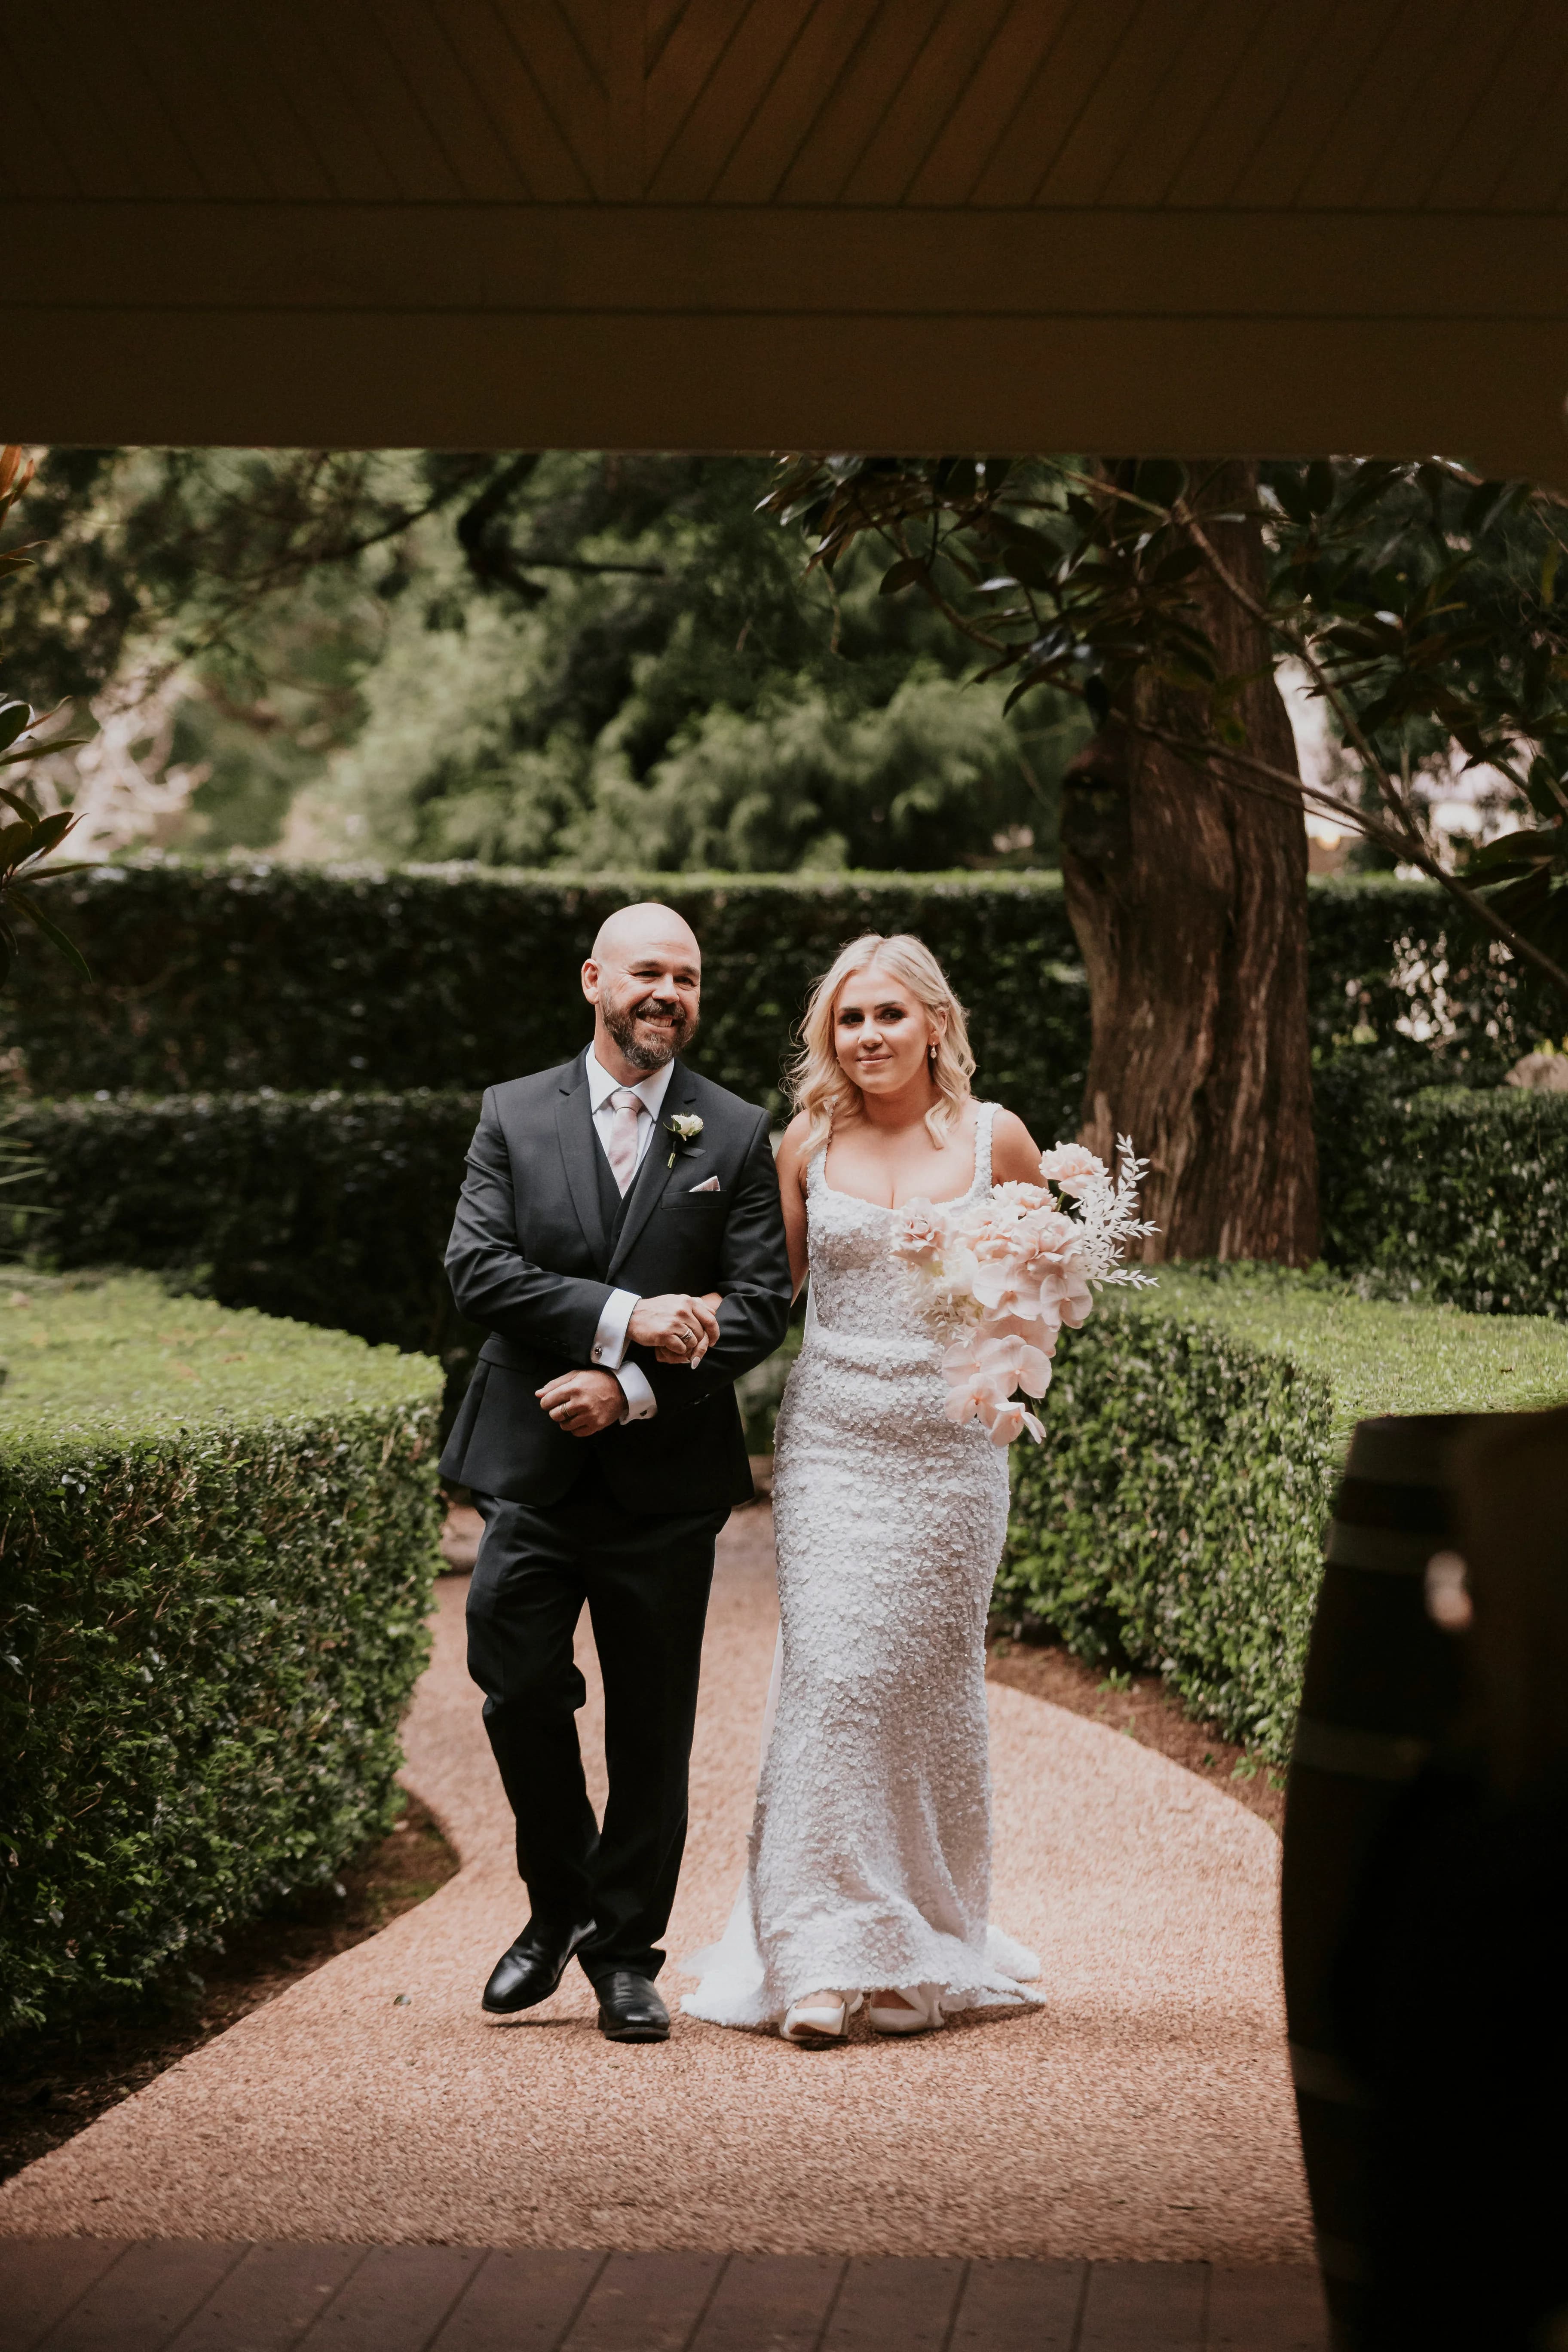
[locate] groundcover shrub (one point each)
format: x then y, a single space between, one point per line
1173 1517
236 976
1448 1192
216 1547
332 1208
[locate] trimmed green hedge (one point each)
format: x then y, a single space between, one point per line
244 975
1173 1517
1448 1194
334 1208
217 1541
330 1208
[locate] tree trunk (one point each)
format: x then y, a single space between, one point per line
1188 897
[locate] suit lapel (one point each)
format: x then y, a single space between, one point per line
654 1173
575 1131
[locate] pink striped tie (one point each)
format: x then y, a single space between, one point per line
622 1154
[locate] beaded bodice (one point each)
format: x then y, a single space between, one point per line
861 1298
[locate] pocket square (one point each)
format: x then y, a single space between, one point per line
709 1185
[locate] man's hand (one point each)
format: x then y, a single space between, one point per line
679 1329
581 1403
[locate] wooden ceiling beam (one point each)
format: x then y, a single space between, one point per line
1228 225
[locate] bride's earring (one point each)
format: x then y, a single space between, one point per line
931 1057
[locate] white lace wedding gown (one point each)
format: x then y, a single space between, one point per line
870 1850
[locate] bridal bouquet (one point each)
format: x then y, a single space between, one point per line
1006 1273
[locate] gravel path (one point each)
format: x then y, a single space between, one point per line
1145 2113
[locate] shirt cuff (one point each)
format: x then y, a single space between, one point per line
641 1403
610 1339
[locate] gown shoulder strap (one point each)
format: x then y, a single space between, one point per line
985 1120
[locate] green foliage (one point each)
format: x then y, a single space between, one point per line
334 1209
1421 603
1393 972
1447 1192
233 977
667 690
333 1206
519 658
238 977
27 838
1429 601
808 779
760 1392
180 550
1173 1517
216 1547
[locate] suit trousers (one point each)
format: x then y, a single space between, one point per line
645 1578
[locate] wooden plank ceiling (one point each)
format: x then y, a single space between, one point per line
1279 223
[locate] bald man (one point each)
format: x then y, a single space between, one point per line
619 1235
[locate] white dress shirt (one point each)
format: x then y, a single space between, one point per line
610 1339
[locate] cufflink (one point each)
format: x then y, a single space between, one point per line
597 1353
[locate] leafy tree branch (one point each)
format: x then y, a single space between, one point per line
27 839
1419 601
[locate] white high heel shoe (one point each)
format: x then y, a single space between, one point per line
922 2016
826 2018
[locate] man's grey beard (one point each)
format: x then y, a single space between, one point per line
622 1027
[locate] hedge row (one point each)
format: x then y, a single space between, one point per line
1173 1517
304 978
1446 1193
217 1550
334 1209
238 976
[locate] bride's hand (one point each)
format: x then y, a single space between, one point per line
712 1300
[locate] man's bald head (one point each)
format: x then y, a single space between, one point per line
644 980
630 930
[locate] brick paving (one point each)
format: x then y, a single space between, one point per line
90 2294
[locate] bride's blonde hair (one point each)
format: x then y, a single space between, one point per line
818 1083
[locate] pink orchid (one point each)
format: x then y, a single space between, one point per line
1003 1287
1063 1294
983 1370
1076 1302
1035 1331
1010 1421
1017 1361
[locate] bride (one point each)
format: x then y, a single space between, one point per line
871 1851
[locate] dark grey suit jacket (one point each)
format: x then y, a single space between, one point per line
533 1260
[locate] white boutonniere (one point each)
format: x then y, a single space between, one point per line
686 1126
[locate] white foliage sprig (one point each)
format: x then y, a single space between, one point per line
1107 1213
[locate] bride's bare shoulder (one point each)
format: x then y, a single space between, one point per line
1014 1154
792 1150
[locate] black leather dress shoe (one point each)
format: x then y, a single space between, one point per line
629 2008
529 1970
